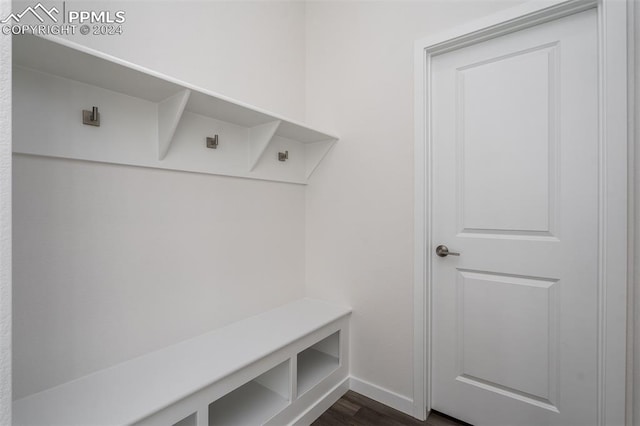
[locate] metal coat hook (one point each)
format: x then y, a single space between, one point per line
283 156
212 142
91 118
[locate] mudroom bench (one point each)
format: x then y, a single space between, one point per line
284 366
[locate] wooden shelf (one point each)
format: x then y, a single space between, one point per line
251 404
147 118
191 420
313 367
255 402
317 362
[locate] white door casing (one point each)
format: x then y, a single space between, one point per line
535 387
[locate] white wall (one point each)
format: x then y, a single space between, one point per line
253 51
5 223
360 200
110 261
634 351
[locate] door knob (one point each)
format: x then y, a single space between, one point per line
443 251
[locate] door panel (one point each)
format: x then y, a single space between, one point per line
514 175
514 326
513 195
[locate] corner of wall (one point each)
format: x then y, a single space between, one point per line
633 345
305 63
5 222
382 395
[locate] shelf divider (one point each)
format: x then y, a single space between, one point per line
315 153
259 138
169 113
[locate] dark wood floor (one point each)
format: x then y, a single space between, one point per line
354 409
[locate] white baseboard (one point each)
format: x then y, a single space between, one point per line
382 395
323 404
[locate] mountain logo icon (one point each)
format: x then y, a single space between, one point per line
38 11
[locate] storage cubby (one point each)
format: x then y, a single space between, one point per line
191 420
147 119
254 402
317 362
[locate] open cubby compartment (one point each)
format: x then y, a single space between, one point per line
255 402
191 420
147 119
317 362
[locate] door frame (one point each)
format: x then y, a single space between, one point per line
613 254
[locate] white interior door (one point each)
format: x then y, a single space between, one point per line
515 192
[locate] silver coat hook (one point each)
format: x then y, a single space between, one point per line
91 118
212 142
